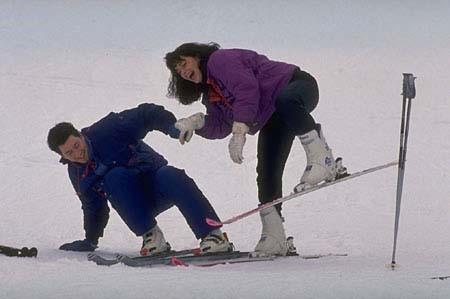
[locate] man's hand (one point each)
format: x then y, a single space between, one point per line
237 141
188 125
79 245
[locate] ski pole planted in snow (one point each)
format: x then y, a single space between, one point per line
409 93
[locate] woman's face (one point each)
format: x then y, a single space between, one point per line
189 69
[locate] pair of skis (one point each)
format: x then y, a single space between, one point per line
191 257
178 258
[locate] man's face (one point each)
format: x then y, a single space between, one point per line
75 149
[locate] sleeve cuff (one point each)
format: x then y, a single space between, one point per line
173 132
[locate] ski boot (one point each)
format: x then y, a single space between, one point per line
320 164
273 236
216 241
154 242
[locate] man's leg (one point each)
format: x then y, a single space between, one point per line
125 192
173 186
133 201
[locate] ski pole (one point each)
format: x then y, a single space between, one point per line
409 93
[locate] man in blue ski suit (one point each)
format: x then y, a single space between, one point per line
108 161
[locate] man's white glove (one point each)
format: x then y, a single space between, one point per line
237 142
188 125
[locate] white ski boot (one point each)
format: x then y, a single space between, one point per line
215 241
273 236
320 164
154 242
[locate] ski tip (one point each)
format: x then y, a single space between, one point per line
213 222
91 256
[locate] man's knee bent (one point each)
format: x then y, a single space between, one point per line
171 180
170 175
117 177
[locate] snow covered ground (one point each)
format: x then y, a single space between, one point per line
76 61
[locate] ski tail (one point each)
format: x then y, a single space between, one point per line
105 261
212 222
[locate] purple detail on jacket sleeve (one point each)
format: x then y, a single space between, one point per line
216 127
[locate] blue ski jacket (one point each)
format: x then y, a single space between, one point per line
116 140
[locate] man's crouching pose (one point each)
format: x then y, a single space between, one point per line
108 161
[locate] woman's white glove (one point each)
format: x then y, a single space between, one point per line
237 141
188 125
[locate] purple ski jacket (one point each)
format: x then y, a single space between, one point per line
243 86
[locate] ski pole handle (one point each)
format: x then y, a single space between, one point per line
409 89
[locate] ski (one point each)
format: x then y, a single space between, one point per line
231 261
213 222
191 259
160 258
23 252
213 259
318 256
185 260
102 261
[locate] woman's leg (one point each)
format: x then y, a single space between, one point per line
274 144
294 104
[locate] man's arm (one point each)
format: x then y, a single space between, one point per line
95 216
148 117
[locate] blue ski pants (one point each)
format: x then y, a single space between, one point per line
139 197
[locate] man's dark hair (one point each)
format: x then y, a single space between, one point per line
59 134
186 91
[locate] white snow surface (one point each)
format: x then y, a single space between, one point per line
78 60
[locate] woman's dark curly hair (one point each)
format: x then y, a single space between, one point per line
186 91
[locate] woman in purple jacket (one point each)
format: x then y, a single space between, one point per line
244 93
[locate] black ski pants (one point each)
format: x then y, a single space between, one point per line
291 118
